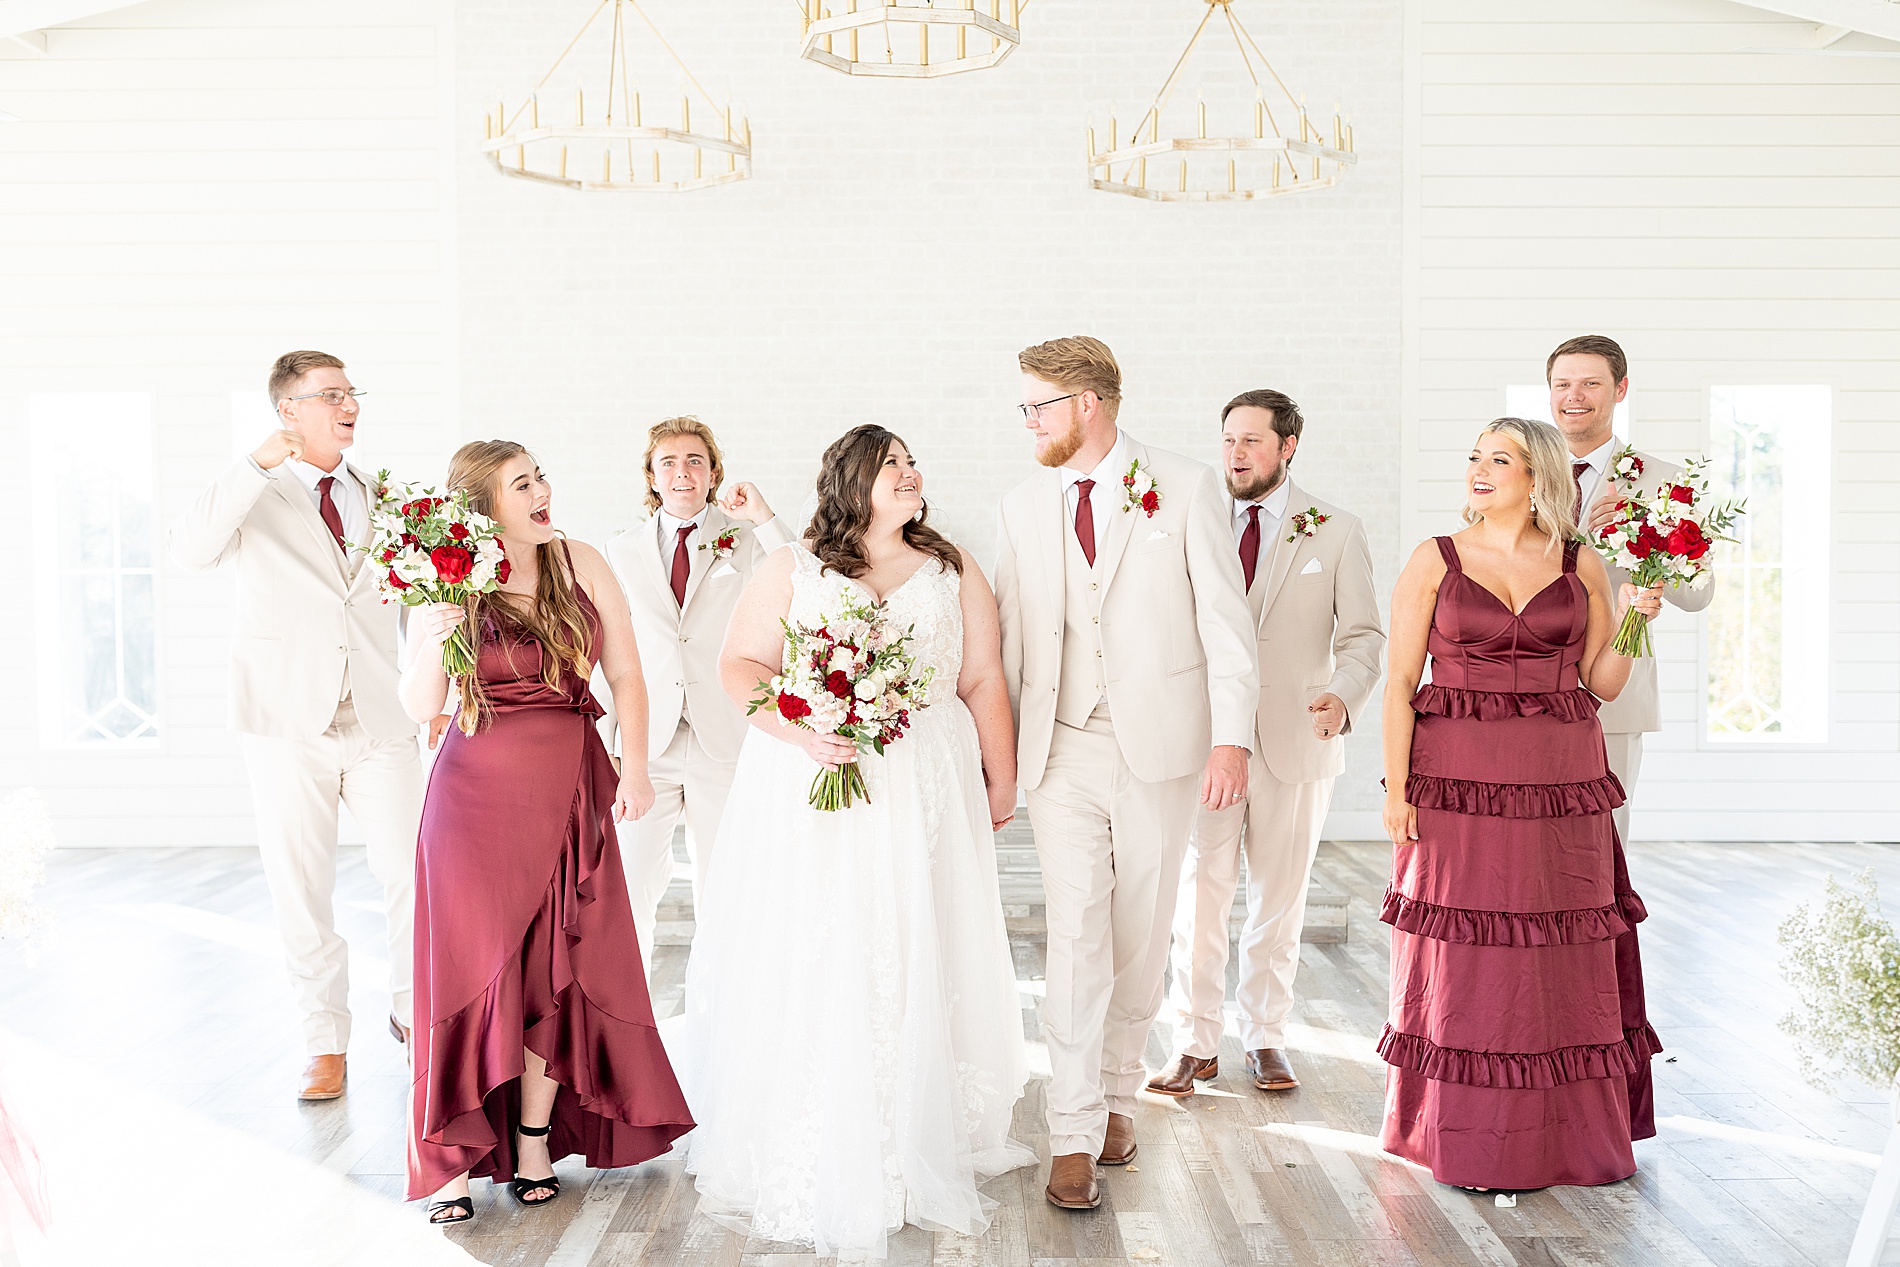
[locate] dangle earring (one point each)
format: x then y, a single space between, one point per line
1533 505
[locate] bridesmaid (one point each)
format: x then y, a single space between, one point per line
1517 1033
534 1034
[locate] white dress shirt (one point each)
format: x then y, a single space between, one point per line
348 495
1599 460
1272 511
669 535
1108 492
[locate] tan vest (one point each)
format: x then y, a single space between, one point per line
1083 680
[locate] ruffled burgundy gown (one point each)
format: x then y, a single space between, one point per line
524 931
1518 1045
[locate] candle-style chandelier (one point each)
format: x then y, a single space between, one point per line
894 38
1225 167
592 131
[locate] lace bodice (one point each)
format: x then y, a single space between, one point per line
930 602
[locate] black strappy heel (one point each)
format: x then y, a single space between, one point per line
465 1205
522 1187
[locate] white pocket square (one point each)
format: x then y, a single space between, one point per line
1158 534
1312 566
726 569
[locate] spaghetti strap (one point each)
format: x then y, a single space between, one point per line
1450 553
1570 556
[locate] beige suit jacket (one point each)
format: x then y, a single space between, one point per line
303 621
1639 708
1177 655
679 646
1316 615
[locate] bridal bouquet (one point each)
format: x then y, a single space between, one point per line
434 549
1661 538
854 677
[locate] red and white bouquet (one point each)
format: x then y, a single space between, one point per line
434 549
1662 537
854 677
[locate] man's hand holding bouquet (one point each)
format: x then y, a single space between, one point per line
1661 538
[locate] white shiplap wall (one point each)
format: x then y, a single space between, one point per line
1731 218
194 187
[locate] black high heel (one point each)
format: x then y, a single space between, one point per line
522 1187
465 1205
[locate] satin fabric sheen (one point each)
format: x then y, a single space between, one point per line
1518 1045
524 933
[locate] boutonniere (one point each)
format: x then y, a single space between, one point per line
1305 523
1142 493
1625 467
722 545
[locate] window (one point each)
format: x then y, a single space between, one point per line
1768 621
95 575
1532 400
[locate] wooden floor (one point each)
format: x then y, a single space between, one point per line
148 1055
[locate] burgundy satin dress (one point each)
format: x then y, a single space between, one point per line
524 931
1518 1045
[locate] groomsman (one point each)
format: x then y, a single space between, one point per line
313 691
683 570
1308 572
1589 377
1128 661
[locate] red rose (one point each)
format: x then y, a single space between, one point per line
407 508
1636 464
791 708
397 581
452 564
502 570
409 539
838 684
1682 493
1647 542
1151 501
458 531
389 556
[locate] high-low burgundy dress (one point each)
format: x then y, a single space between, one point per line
1518 1045
524 933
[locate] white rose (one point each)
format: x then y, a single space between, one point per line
868 688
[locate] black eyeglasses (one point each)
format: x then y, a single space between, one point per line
1035 410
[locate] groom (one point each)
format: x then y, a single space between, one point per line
1128 650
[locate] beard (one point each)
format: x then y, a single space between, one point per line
1063 447
1259 486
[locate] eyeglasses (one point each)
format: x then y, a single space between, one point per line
1035 410
331 396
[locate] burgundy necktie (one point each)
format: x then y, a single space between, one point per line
1085 519
327 508
1250 545
1576 473
682 565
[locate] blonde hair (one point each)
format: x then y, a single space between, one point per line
287 369
1553 487
554 618
685 425
1077 364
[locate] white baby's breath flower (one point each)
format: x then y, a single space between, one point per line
26 837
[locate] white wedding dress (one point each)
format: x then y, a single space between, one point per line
852 1045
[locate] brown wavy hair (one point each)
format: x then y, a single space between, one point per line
554 618
846 475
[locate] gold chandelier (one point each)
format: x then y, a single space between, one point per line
893 38
603 137
1225 167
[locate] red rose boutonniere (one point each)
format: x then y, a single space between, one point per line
722 545
1143 495
1305 523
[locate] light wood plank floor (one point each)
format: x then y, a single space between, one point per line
149 1052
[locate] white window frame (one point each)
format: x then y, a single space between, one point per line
134 451
1812 596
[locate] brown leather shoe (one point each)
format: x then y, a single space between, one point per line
1179 1077
323 1078
1118 1146
398 1031
1072 1184
1270 1070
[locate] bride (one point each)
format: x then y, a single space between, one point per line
852 1044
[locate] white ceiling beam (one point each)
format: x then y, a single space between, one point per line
1870 17
18 17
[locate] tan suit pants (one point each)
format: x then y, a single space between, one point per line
1110 847
1277 830
296 785
1625 751
689 784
